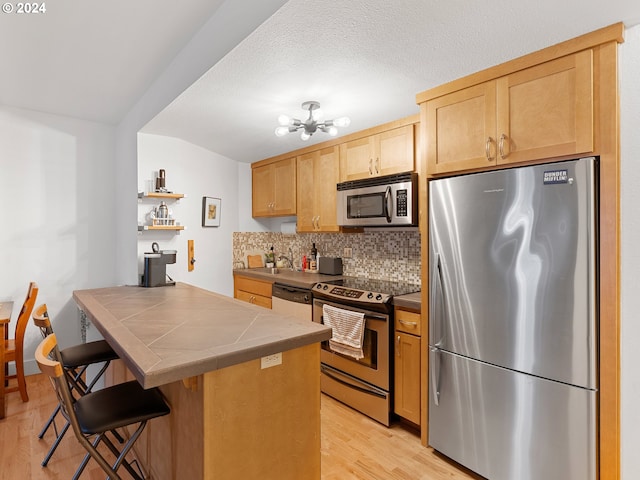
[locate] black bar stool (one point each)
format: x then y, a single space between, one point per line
75 361
96 413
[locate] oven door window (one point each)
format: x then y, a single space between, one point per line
369 349
369 205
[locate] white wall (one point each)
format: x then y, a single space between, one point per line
630 225
232 22
196 172
56 214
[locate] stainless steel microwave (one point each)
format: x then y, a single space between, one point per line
388 201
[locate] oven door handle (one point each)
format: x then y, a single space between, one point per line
382 318
376 317
344 380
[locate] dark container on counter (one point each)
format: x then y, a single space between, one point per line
330 265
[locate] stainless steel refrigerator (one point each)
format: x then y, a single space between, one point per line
513 321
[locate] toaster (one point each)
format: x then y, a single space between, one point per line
330 265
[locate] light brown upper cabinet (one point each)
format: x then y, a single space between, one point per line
540 112
318 174
274 188
380 154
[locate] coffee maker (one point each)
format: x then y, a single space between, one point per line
155 267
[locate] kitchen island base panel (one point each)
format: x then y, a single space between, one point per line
241 421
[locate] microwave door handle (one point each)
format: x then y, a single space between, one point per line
387 204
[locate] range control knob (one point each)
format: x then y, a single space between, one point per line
379 297
326 287
370 295
318 286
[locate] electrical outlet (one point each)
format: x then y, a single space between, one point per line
271 360
348 252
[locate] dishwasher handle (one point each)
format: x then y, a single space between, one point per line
291 294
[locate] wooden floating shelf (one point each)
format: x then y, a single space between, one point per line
160 195
160 227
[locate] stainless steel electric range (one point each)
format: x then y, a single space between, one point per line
364 384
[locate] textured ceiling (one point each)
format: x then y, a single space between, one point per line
362 58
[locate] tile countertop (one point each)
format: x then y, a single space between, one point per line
166 334
411 300
286 276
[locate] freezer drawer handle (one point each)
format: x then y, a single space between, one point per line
435 375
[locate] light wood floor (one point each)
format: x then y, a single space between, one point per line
354 447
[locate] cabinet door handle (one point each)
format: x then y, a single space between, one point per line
377 165
371 166
398 345
487 149
503 137
409 324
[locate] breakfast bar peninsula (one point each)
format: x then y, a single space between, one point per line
243 383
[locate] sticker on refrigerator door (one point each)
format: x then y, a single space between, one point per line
552 177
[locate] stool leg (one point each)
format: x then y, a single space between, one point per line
121 460
49 422
55 445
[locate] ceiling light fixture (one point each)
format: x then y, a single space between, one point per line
311 124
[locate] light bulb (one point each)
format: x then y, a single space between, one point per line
304 135
284 120
282 131
333 131
342 122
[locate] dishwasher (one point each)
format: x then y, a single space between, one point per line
294 301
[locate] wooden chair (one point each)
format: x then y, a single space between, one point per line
96 413
14 347
75 361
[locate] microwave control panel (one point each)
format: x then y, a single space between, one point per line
401 203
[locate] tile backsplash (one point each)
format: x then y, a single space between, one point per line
386 255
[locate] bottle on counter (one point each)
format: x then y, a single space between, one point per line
313 260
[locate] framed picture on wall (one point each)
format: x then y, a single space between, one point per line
210 212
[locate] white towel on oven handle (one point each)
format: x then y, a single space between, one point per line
347 330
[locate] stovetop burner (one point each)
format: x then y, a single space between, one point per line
366 290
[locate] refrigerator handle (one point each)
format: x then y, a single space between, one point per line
435 321
434 364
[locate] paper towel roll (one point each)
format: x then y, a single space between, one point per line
288 227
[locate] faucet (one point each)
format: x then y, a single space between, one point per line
288 260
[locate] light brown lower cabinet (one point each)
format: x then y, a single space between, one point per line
251 290
407 399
